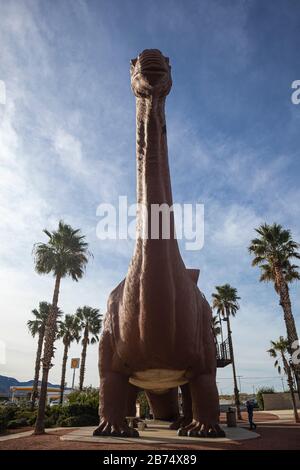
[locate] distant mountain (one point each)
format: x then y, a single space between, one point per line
7 382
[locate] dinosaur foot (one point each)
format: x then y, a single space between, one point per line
198 429
106 428
181 422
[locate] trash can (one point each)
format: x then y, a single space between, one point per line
231 418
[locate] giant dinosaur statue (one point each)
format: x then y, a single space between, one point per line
157 332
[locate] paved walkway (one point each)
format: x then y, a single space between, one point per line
284 415
17 435
239 433
158 433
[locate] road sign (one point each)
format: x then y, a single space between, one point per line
75 363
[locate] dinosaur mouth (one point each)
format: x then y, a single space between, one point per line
151 63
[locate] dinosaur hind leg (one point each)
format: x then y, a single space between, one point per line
187 413
205 402
164 406
131 400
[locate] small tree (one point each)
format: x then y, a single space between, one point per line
68 331
259 395
37 327
278 351
144 405
225 301
90 320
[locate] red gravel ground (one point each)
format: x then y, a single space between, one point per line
273 436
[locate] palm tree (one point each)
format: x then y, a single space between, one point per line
225 301
37 327
65 254
278 351
90 321
68 331
273 252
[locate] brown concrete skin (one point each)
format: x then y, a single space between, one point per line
157 317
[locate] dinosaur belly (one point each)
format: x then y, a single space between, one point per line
158 380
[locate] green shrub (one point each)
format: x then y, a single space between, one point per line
7 414
3 424
259 395
50 422
30 416
32 420
54 412
144 405
67 415
77 409
89 396
82 411
25 414
17 423
82 420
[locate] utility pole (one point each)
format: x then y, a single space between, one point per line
236 390
73 381
240 377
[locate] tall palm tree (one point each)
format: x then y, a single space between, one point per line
68 331
278 351
90 320
225 301
37 327
273 252
65 254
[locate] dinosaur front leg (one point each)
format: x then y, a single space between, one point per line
113 394
114 389
205 403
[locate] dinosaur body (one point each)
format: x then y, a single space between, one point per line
157 332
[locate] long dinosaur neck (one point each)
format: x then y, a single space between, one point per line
153 176
156 266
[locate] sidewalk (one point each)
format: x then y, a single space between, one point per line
283 415
18 435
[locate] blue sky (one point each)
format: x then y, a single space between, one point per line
67 143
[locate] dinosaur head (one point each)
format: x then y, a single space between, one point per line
150 74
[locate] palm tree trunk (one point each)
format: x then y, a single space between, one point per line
37 368
236 390
291 330
83 358
63 373
290 384
50 334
